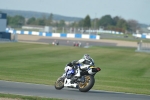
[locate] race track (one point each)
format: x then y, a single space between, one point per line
66 93
70 41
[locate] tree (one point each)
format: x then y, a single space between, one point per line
81 23
43 20
50 19
94 23
133 24
74 24
105 21
16 21
56 24
87 22
20 20
40 22
9 20
115 20
122 24
31 21
61 23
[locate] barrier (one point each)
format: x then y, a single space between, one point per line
49 34
5 35
104 31
143 47
144 36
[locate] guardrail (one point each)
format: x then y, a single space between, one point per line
49 34
144 36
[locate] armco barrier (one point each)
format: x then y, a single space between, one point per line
144 36
48 34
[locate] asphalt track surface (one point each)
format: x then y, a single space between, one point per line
29 89
71 41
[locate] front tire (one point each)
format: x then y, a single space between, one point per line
59 84
88 84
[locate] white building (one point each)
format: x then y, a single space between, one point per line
148 28
33 27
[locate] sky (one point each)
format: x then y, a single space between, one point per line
128 9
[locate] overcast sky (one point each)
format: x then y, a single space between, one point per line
127 9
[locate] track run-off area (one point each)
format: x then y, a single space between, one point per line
40 90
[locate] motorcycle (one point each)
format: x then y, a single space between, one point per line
83 79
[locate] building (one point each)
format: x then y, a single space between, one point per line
33 27
3 22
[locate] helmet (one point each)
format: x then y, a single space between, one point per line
86 56
74 62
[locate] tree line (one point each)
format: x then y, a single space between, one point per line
106 22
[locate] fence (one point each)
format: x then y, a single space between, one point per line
143 47
144 36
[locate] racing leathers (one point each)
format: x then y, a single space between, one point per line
73 65
85 62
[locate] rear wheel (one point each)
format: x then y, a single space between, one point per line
59 84
87 84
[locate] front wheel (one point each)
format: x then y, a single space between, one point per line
87 84
59 84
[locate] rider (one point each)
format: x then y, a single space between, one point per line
86 60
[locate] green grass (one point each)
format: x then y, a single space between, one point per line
121 37
123 69
19 97
129 39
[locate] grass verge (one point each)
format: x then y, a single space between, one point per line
123 69
20 97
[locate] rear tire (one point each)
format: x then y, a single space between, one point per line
88 84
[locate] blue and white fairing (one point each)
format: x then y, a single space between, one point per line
71 71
